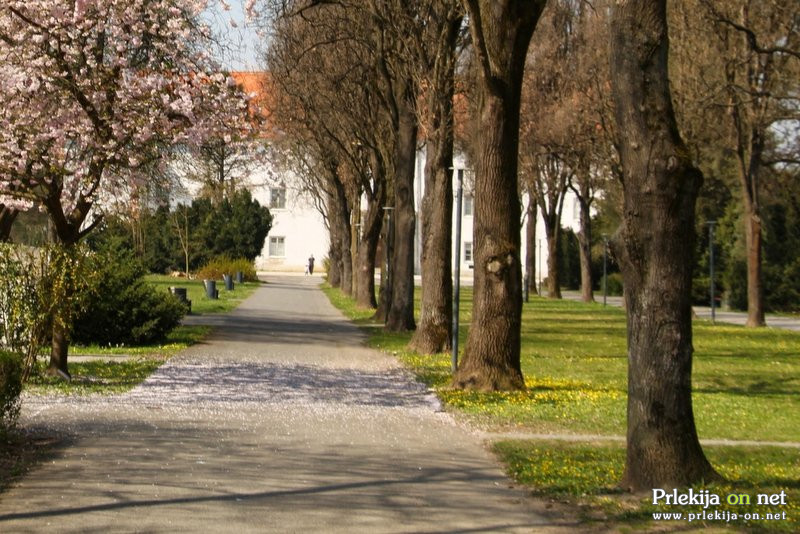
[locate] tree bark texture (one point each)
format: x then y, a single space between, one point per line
585 245
371 224
755 287
436 316
7 218
501 32
338 219
66 231
401 309
385 293
655 245
530 246
553 233
433 333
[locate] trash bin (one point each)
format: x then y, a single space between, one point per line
211 289
228 281
180 294
239 277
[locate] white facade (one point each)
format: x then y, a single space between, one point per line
298 230
570 218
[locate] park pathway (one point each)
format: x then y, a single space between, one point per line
280 422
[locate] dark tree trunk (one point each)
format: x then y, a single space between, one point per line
501 33
372 223
334 258
59 349
553 233
755 288
660 187
553 181
401 310
585 244
340 274
7 218
385 293
66 230
436 316
530 245
355 244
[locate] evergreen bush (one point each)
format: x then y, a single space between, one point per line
123 308
10 389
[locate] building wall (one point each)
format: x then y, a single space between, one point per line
298 230
570 219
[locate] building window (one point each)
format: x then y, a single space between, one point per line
277 198
277 247
467 252
467 208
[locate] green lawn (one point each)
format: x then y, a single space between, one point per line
196 292
114 376
746 386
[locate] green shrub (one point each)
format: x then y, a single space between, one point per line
123 308
10 388
614 284
215 268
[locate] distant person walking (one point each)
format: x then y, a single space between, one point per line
310 269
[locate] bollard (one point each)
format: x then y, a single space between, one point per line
228 282
211 288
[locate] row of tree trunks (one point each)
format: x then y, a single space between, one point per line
660 187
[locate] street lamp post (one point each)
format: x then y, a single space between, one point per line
457 271
711 268
605 269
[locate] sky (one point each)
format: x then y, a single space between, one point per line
239 35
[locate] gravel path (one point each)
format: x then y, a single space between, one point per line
281 422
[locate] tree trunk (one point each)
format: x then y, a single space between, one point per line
436 316
553 233
385 293
433 334
755 289
660 188
530 246
59 348
7 218
355 244
401 310
501 33
585 249
334 260
372 223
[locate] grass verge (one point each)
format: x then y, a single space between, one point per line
585 476
107 376
574 361
195 291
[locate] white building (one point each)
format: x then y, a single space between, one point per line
298 230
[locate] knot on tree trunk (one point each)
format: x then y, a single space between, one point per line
498 264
